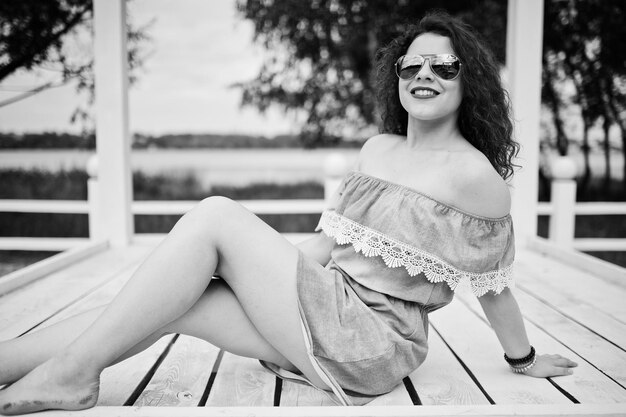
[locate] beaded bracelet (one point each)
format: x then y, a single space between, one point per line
523 369
521 361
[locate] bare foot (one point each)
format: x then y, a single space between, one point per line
52 385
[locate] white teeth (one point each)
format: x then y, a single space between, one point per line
424 93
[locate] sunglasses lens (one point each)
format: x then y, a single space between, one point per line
409 72
407 67
446 67
445 71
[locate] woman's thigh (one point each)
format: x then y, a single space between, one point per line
219 318
260 266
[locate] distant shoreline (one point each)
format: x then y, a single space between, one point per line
209 166
65 141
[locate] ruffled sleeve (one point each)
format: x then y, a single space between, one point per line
423 236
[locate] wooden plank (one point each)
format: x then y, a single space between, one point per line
28 306
587 384
595 410
155 238
398 397
101 296
299 395
477 346
441 380
49 265
53 244
582 261
602 354
574 282
596 244
182 377
241 382
575 308
118 382
15 205
272 206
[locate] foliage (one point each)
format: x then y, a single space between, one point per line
35 35
52 140
232 141
37 184
320 55
584 46
46 140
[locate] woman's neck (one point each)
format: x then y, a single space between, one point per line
433 135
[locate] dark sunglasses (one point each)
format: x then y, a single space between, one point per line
445 66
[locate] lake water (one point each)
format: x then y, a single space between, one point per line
233 167
225 167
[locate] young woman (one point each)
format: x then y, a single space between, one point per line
425 208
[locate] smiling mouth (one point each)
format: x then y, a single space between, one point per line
424 92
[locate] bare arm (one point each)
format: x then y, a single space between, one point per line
506 320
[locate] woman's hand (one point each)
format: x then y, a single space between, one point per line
551 365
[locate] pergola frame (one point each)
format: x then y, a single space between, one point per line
114 218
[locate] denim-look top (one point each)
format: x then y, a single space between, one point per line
411 242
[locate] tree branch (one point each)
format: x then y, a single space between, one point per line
32 92
22 60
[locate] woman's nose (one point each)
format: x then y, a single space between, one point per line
425 73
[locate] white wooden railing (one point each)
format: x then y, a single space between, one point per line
335 167
562 209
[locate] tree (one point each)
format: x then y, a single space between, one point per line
34 34
320 54
584 44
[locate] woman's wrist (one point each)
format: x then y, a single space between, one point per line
522 369
522 364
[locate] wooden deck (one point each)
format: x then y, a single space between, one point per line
568 310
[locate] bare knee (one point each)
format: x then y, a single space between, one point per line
212 208
208 219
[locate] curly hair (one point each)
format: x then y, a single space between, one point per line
484 114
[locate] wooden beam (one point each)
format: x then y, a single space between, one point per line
581 261
52 244
46 267
523 61
26 307
112 138
587 410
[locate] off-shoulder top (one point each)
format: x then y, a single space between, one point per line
396 240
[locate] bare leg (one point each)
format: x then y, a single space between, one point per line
217 317
219 235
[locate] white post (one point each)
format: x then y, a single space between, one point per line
563 218
523 61
112 142
335 167
96 231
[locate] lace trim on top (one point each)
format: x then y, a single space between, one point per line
395 254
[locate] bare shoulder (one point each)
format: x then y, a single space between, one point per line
377 145
479 189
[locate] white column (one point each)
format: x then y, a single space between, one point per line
112 138
96 231
523 61
563 218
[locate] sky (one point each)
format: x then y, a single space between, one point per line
199 49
